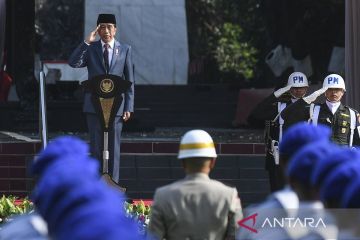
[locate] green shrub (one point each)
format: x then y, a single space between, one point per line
234 55
11 205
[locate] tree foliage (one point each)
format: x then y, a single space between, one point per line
233 55
228 34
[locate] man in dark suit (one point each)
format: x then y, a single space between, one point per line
106 56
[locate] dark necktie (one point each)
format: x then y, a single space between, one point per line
106 57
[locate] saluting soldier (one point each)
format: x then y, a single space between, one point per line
268 111
343 120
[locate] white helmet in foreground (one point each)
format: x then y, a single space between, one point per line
334 81
297 79
196 143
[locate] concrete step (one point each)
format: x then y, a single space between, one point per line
143 174
146 166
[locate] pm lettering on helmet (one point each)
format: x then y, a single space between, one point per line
299 79
333 80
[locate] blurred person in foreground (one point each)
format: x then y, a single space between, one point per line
333 191
73 200
299 172
196 207
351 201
323 169
285 202
337 181
307 220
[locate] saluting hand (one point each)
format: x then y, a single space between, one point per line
126 116
281 91
92 36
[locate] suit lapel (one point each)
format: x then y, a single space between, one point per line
119 54
99 52
116 54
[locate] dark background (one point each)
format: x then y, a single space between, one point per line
245 30
228 41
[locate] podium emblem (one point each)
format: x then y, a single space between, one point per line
106 85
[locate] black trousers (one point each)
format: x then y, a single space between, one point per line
97 142
276 175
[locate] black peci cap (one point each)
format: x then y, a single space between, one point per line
106 18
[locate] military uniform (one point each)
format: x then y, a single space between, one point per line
339 122
266 112
195 208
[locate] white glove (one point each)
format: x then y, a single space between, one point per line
281 91
312 97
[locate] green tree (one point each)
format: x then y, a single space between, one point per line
228 36
232 54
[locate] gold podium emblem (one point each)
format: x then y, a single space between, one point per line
106 85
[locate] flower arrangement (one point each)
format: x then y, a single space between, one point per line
12 205
140 212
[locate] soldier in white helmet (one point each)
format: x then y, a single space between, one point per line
342 119
268 112
195 207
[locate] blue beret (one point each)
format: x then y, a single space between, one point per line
65 146
302 163
340 156
62 175
335 184
351 198
73 200
300 134
91 210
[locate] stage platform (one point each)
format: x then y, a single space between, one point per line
149 161
150 139
160 134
